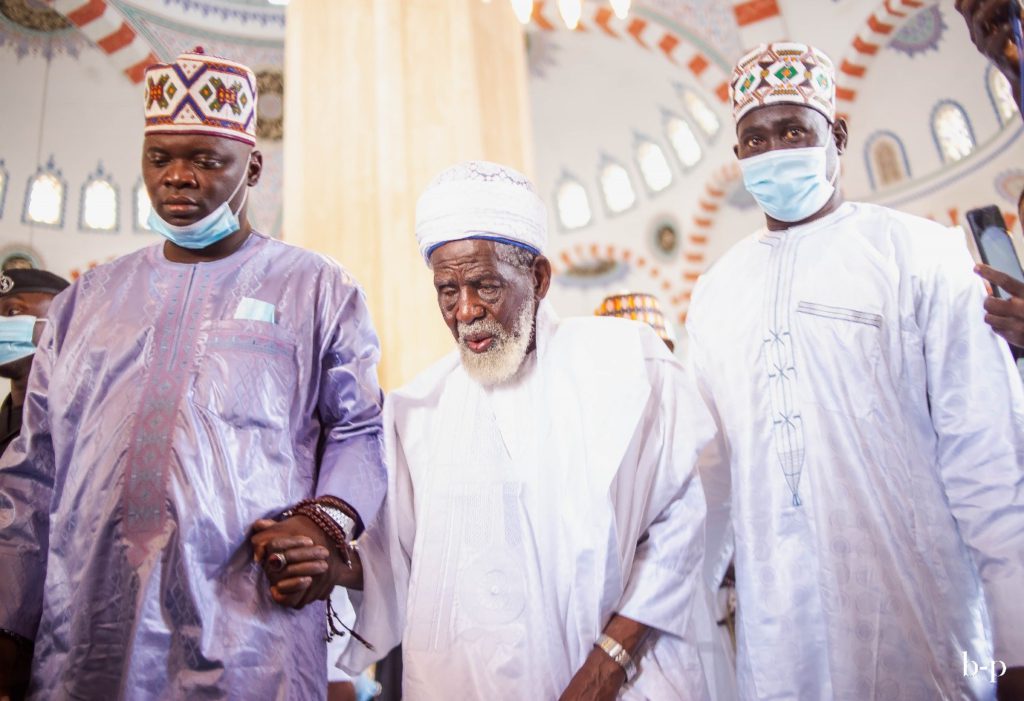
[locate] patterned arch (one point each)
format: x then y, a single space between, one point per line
105 26
648 35
880 26
695 249
584 253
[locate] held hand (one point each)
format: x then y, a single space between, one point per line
301 563
599 679
1011 685
1005 316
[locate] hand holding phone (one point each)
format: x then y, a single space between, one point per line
996 247
1004 312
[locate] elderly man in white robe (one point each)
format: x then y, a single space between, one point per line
873 425
542 536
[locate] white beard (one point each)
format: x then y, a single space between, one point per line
500 362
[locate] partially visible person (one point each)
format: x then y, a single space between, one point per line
180 393
871 425
990 25
717 649
991 28
542 533
25 296
1005 316
342 686
642 307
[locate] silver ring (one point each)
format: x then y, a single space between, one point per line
277 562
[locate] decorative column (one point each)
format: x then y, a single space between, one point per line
379 97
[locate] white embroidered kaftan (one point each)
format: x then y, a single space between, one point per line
874 433
520 518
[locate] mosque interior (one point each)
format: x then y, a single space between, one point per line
622 121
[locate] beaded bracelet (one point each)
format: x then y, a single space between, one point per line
313 510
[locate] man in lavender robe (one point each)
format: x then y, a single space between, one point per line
178 395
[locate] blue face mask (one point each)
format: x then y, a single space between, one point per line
216 225
790 184
16 337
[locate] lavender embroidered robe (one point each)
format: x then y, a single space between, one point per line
170 406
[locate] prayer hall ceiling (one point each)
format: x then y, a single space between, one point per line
600 91
600 97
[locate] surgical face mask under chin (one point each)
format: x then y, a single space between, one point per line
790 184
16 337
216 225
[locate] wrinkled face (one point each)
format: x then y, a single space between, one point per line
188 176
789 126
489 306
35 304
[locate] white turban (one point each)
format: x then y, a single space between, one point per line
481 200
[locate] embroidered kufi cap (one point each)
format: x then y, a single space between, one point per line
642 307
783 72
201 94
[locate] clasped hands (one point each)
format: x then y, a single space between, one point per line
301 563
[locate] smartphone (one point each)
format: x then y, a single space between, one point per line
994 243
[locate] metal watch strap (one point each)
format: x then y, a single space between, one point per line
614 649
346 522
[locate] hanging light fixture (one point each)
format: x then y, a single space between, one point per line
621 8
523 10
571 11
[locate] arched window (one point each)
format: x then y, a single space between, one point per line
5 178
683 141
886 160
1001 94
100 200
45 196
952 131
141 207
653 165
616 187
573 203
705 117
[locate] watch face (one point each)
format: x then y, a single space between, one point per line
340 518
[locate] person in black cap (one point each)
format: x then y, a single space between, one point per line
25 296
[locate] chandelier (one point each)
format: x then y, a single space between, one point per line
570 10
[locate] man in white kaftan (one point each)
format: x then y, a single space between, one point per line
872 424
542 488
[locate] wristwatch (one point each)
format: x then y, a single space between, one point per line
618 653
344 521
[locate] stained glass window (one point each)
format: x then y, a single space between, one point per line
99 203
44 197
705 117
617 188
952 132
653 165
887 160
683 141
1002 96
573 204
